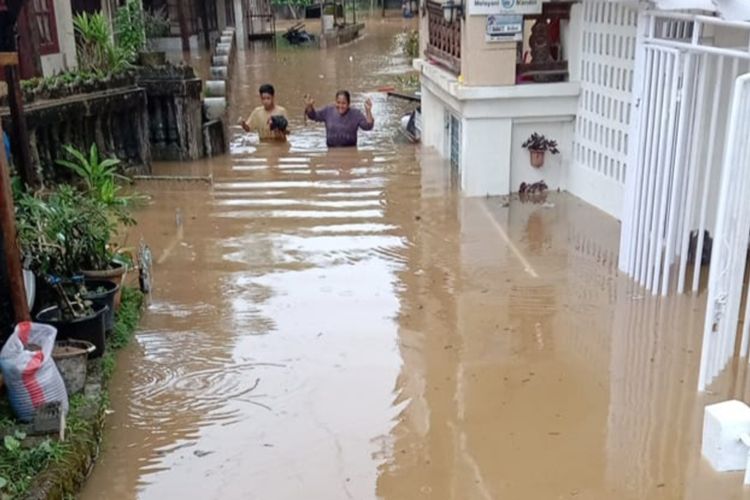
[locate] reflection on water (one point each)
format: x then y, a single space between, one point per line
341 325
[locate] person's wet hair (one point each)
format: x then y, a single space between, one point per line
267 88
345 94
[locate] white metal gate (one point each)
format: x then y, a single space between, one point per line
649 221
684 80
689 171
730 248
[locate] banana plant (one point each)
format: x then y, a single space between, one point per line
100 177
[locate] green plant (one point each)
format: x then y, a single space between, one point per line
96 50
20 464
60 466
63 231
410 81
538 142
99 177
130 32
156 23
127 317
408 43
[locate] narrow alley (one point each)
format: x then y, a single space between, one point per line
343 325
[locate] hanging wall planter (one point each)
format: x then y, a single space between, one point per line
537 158
538 145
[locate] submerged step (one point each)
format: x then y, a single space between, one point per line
216 88
215 107
219 72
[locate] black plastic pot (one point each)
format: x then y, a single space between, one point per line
90 328
104 298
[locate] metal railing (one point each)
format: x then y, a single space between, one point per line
444 43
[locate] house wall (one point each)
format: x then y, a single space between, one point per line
65 59
606 64
495 121
589 116
485 63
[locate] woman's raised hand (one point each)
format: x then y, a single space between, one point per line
309 101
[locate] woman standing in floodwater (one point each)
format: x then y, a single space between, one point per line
342 122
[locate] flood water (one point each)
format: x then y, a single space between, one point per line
342 325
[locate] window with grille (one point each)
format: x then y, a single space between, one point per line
43 15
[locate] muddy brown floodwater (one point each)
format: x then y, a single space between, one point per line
342 325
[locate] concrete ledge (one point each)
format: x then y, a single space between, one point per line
493 122
510 101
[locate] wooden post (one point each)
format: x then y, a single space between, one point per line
26 42
184 32
9 45
204 23
21 140
10 243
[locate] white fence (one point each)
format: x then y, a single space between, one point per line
726 280
600 149
689 171
683 88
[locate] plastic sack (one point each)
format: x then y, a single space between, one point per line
30 373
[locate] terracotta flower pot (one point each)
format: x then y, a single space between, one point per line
537 158
116 275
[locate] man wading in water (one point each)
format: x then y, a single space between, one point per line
269 120
342 122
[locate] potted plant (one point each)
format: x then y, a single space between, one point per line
98 179
537 145
56 229
102 293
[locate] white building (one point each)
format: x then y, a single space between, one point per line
650 116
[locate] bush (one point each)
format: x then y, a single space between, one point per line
98 177
96 50
130 32
63 231
408 42
157 23
20 464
